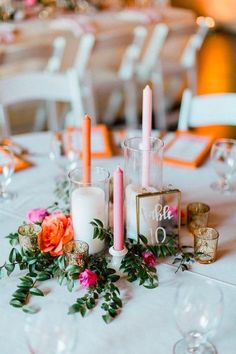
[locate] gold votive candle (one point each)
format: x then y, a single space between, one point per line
76 253
197 215
28 235
205 244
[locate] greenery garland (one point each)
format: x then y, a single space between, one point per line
139 264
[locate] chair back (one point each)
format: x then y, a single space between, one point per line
207 110
57 87
194 44
153 50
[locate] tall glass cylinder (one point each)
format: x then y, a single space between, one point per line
89 201
143 174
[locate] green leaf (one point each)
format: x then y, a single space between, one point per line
107 318
72 269
73 309
98 222
16 303
143 239
113 278
70 284
12 255
10 268
43 276
36 292
61 262
83 311
30 309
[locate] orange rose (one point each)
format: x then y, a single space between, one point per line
56 232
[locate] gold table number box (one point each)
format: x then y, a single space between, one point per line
159 216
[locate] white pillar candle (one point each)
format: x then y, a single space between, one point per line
148 224
88 203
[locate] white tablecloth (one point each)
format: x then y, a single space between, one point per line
146 324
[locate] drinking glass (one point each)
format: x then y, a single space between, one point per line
65 150
7 165
198 311
223 159
197 215
51 330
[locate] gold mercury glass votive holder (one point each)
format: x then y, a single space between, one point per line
76 253
197 216
28 235
205 244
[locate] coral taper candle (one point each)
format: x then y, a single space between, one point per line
146 134
86 146
118 209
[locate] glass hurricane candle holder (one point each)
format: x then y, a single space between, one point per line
76 253
143 174
89 201
205 244
28 235
197 216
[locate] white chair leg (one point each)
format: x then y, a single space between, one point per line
40 118
4 122
89 98
192 79
130 108
159 103
113 106
52 116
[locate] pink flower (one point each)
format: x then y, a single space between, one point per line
30 3
88 278
37 215
174 211
149 258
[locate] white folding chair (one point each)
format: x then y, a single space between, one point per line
60 87
207 110
48 109
150 61
174 72
118 82
81 62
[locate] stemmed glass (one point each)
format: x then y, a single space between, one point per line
65 150
51 330
198 311
7 165
223 159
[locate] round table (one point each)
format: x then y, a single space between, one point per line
146 324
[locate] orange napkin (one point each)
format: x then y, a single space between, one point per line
20 162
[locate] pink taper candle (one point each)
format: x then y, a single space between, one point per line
118 209
146 134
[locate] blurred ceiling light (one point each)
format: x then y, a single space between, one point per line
209 20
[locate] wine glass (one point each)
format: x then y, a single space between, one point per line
223 159
198 311
51 330
7 165
65 150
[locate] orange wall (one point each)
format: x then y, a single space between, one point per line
223 11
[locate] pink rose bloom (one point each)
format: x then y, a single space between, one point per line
37 215
149 258
88 278
29 3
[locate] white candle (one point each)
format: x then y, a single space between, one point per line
147 225
88 203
